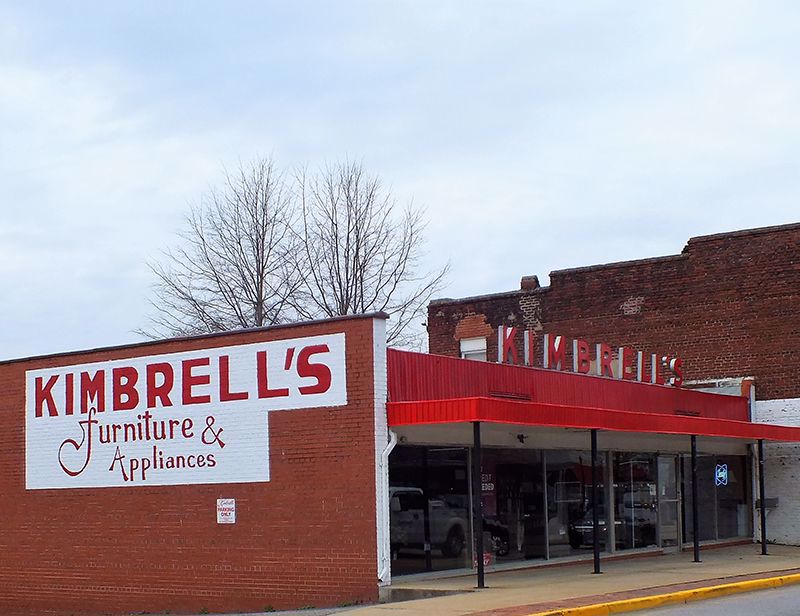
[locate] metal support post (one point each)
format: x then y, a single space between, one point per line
695 514
477 505
608 495
762 497
426 519
595 504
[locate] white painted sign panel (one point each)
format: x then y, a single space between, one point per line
226 511
195 417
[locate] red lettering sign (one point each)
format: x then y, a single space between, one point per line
627 364
506 344
555 352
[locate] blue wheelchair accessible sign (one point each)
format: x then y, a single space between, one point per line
721 475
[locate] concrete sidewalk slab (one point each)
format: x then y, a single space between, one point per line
538 589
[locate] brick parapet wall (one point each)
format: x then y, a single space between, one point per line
306 538
728 305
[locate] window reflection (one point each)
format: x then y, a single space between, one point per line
539 504
635 500
723 511
570 504
429 509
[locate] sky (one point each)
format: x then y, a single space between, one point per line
537 135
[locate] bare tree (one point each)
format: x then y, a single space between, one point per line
360 252
231 270
256 253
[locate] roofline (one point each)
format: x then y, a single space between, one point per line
443 301
794 226
621 264
682 255
210 335
616 264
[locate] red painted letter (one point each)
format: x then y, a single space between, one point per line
321 372
154 390
93 388
225 393
69 393
123 381
190 380
263 384
45 394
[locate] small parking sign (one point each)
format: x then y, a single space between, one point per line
226 511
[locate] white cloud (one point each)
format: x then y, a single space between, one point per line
90 190
538 136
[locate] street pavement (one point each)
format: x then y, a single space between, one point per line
776 602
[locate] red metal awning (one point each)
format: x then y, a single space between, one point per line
494 410
419 376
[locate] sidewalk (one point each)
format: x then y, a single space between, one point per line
542 589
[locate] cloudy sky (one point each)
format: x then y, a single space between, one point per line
538 135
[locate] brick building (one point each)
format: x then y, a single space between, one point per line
307 465
727 305
114 461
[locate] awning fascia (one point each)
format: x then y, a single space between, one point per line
523 413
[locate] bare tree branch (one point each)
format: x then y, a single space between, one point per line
257 252
359 253
232 268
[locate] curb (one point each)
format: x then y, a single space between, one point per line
681 596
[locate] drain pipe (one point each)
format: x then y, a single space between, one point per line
383 505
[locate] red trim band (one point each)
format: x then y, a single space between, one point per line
422 412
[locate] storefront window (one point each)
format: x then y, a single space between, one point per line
722 486
436 536
513 504
733 514
539 504
569 502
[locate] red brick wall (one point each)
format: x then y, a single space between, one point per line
728 305
306 538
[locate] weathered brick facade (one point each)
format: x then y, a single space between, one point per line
305 538
728 305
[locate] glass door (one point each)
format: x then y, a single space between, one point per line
635 500
668 503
